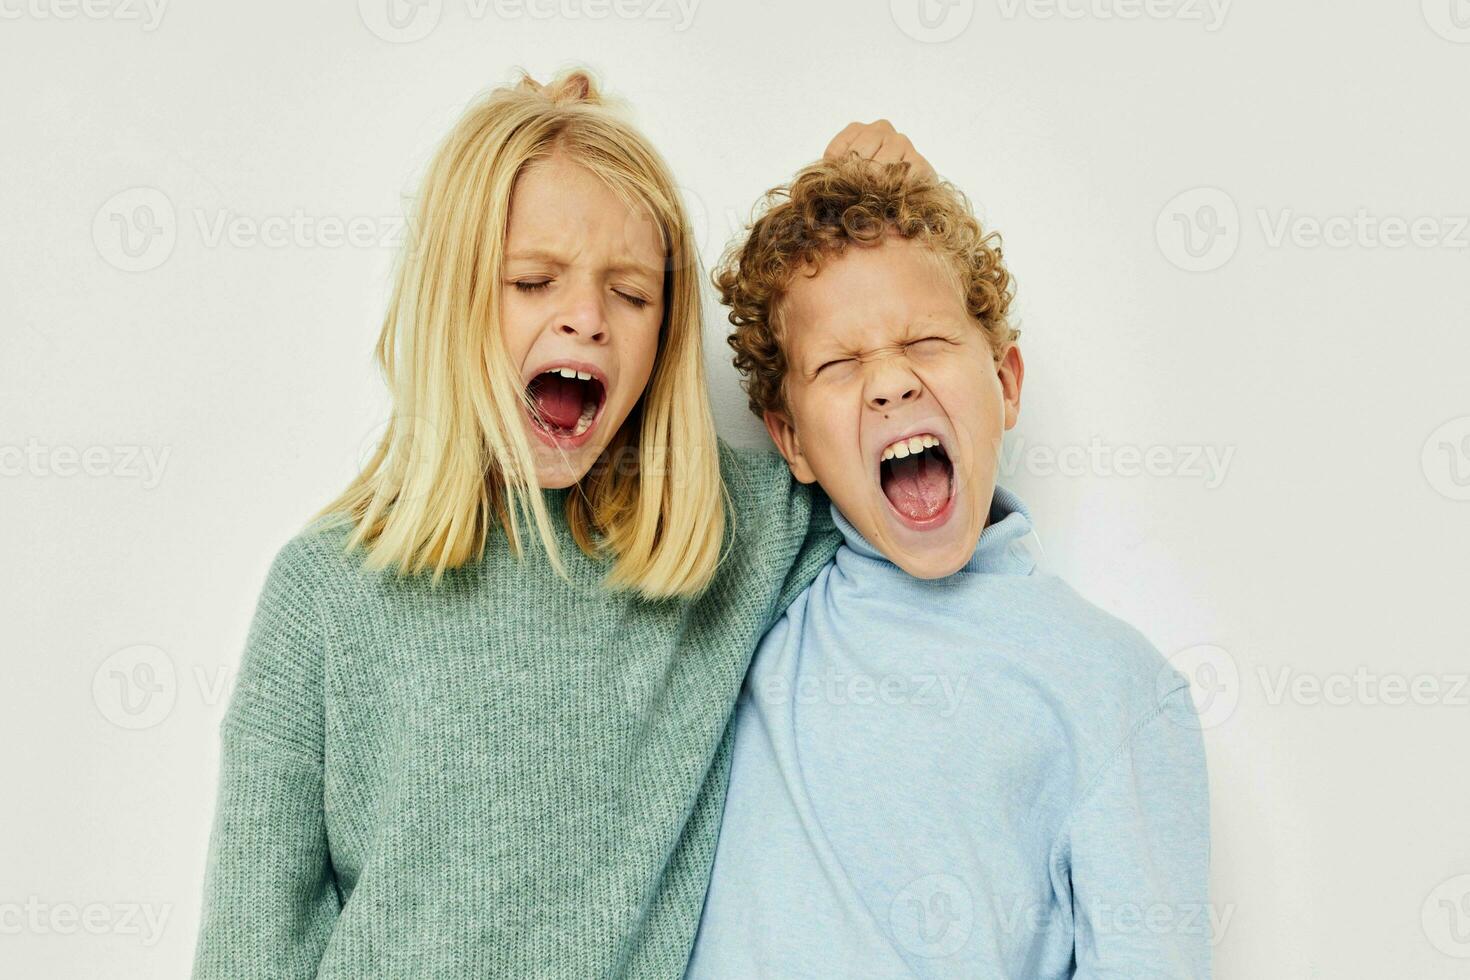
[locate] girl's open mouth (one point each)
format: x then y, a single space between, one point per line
917 477
566 404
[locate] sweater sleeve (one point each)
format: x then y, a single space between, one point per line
819 541
1139 856
790 519
270 898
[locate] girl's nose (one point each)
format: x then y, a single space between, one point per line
583 318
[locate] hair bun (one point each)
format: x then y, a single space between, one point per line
567 88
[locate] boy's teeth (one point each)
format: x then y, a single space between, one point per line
912 446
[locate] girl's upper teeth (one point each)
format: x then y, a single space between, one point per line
911 446
571 373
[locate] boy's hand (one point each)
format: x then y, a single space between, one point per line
879 142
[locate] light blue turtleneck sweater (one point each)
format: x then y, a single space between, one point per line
981 776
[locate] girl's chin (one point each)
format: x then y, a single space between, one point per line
557 468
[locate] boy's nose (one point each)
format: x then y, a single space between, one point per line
892 387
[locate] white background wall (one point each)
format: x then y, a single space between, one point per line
171 414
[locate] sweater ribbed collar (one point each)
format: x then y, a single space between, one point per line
999 552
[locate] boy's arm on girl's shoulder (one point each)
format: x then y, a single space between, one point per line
1138 850
774 508
270 897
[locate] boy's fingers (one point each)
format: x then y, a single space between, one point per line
900 148
920 166
842 142
879 142
867 143
893 148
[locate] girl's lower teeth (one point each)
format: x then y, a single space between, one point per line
589 411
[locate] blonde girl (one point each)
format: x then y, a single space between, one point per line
479 728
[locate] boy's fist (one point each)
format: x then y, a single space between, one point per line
880 142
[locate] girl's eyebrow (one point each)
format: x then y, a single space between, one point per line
535 255
626 265
637 268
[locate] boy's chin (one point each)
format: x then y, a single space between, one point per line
939 561
935 553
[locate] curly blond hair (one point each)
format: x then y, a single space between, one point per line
827 206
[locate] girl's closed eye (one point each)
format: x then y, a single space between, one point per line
636 301
531 285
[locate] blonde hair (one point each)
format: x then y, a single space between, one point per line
455 459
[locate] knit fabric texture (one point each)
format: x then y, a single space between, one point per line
508 774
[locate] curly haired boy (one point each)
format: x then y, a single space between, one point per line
946 762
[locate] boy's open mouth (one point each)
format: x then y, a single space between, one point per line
566 402
917 477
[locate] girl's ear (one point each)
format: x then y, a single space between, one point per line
1012 371
783 434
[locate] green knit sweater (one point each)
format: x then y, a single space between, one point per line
506 775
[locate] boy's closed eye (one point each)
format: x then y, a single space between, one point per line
922 346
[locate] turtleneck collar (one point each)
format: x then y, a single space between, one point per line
999 551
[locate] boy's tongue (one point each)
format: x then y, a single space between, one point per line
559 400
918 486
